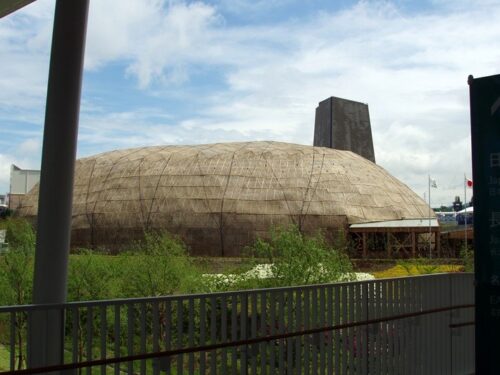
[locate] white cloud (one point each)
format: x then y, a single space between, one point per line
156 39
30 146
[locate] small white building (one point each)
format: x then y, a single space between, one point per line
21 182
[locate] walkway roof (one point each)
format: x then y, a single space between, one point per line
9 6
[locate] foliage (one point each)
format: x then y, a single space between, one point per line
158 265
297 259
16 266
16 276
92 277
467 256
20 234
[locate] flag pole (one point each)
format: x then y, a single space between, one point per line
465 214
430 230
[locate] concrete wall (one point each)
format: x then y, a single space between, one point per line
344 125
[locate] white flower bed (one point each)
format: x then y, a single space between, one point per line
362 276
264 271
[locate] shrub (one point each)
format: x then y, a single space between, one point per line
158 265
297 259
91 276
16 265
467 256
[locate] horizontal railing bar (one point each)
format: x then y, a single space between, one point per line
123 301
98 362
465 324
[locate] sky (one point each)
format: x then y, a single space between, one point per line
163 72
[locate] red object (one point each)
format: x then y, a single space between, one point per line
469 183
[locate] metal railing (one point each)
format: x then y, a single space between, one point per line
413 325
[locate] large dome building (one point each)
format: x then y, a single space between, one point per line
218 198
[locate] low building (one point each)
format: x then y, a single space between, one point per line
21 182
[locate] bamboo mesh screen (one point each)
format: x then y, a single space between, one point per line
219 197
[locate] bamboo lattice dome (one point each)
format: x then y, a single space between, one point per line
219 197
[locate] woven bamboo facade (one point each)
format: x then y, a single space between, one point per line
219 197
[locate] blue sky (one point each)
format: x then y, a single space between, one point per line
181 72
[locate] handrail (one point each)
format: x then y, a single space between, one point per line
175 297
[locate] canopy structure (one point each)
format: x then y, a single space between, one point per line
405 238
10 6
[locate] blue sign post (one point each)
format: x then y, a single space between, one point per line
485 133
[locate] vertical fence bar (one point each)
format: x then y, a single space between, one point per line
351 331
337 335
272 331
263 333
103 335
130 336
223 330
90 321
254 348
406 341
142 323
345 333
223 322
168 335
180 344
75 321
322 343
433 297
243 333
427 327
393 330
403 335
365 350
191 334
329 322
412 323
376 347
234 332
358 348
307 325
156 336
314 337
213 334
299 325
383 327
289 327
281 322
117 337
12 341
203 337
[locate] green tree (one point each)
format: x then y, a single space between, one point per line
158 265
16 275
297 259
91 276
